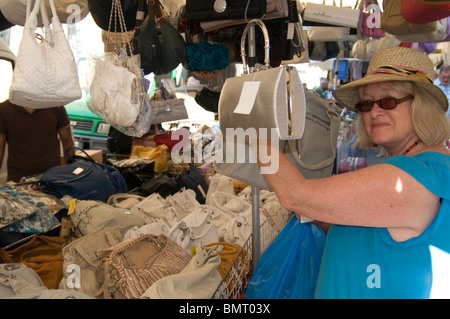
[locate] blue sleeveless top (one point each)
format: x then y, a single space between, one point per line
365 262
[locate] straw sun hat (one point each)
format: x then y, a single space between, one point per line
393 64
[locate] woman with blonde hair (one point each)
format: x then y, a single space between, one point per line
390 222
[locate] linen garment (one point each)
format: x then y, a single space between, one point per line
365 262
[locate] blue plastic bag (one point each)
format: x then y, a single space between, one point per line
290 266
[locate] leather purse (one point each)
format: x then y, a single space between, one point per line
45 74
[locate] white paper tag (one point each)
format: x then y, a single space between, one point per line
290 31
78 170
247 98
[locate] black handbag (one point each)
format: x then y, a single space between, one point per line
210 10
160 45
161 183
192 179
208 99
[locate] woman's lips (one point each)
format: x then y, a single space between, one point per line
379 124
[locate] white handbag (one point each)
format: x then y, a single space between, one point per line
45 74
111 91
117 91
156 227
239 228
271 98
195 228
331 15
219 182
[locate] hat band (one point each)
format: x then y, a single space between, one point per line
412 73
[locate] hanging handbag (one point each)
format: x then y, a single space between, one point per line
45 74
313 154
209 10
131 267
167 108
158 42
330 15
327 34
118 91
100 11
370 23
275 9
270 99
69 11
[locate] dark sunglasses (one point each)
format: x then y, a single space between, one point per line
386 103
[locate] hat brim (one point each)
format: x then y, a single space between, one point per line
347 95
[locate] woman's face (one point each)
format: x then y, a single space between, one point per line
387 127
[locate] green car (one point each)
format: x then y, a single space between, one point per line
89 130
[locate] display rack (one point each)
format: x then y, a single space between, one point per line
236 280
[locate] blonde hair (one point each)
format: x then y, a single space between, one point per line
429 120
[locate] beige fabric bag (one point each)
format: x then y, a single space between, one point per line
198 280
81 259
89 216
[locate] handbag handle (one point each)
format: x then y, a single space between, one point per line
31 16
266 44
72 160
220 206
